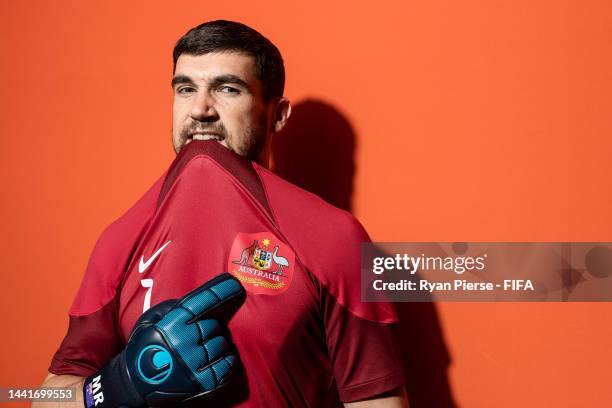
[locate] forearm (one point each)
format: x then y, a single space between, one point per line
394 399
67 381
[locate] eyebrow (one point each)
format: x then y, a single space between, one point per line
181 79
216 81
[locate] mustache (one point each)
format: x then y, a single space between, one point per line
201 127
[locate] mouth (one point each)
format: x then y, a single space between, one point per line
205 136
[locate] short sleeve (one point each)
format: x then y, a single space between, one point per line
361 336
92 340
93 333
362 353
94 336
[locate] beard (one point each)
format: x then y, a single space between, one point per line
253 140
248 143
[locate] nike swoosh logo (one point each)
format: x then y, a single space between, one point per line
142 266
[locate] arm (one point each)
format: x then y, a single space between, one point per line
68 381
393 399
174 333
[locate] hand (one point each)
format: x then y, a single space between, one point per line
176 352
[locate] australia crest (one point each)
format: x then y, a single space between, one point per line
263 263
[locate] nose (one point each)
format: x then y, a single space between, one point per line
203 107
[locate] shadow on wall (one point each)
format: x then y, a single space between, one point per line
316 152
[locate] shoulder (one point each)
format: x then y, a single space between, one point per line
112 252
327 241
296 208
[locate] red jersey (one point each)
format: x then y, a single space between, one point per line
303 335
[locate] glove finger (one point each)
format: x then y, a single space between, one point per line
215 348
223 295
209 328
198 358
217 373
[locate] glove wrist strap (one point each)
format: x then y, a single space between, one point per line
111 387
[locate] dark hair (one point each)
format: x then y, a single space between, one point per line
222 35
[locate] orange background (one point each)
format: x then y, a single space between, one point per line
474 120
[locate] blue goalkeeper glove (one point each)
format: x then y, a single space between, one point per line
177 351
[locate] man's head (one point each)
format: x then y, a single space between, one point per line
228 85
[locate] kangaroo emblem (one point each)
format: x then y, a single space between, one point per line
246 254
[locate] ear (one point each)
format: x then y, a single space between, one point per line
281 114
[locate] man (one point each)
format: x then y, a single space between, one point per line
303 336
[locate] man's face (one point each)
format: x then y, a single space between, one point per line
218 96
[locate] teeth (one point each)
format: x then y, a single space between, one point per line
199 136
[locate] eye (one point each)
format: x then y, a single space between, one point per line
229 90
185 89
